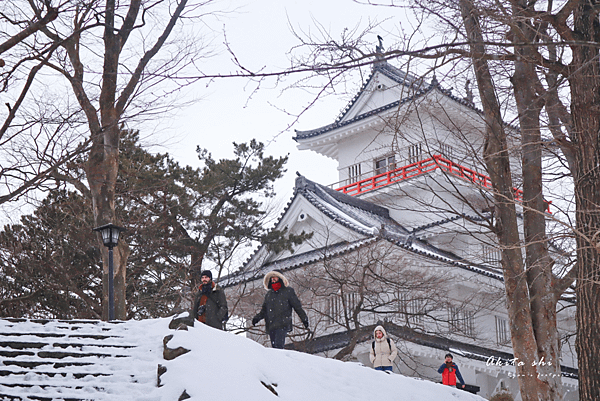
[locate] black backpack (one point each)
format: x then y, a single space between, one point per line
389 345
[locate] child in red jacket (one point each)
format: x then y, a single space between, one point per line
450 372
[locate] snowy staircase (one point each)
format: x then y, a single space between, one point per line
76 360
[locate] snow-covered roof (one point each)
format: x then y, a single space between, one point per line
366 219
397 75
294 261
360 215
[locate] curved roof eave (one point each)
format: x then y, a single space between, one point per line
301 135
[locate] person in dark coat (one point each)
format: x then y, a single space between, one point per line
277 308
210 304
450 372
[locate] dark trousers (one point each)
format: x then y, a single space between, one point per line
278 338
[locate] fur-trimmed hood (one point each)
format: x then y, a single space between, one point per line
275 273
380 328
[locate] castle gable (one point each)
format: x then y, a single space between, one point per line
385 86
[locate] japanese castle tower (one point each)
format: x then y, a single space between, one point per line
400 240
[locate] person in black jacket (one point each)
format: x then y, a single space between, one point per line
210 304
277 308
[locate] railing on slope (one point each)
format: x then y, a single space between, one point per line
424 166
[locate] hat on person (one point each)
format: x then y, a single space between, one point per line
206 273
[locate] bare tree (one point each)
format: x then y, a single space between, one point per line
379 281
352 286
107 55
525 42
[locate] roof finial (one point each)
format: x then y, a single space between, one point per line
379 49
434 81
469 97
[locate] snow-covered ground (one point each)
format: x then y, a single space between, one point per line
223 366
61 360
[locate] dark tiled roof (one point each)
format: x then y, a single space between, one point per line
389 71
363 217
400 77
294 261
337 124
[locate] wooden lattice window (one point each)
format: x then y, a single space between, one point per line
339 306
502 332
490 254
413 310
415 153
462 321
354 173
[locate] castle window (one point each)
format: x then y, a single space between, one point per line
446 150
461 321
385 164
490 255
502 333
338 306
354 173
415 153
413 310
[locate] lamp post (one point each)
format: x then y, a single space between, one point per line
110 238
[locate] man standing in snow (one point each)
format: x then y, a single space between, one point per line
210 304
450 372
277 308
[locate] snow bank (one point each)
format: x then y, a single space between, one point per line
223 366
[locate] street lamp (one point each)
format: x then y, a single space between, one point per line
110 238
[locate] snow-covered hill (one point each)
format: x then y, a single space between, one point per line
220 366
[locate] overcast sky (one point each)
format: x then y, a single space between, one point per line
260 35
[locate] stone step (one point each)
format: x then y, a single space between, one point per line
48 393
54 373
62 336
74 360
12 397
35 364
33 342
67 322
15 352
100 345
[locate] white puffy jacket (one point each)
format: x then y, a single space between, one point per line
383 355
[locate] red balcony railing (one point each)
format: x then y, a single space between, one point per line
421 167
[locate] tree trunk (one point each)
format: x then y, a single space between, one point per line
104 120
537 260
103 163
101 170
498 166
584 82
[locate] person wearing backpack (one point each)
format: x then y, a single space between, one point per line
383 350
